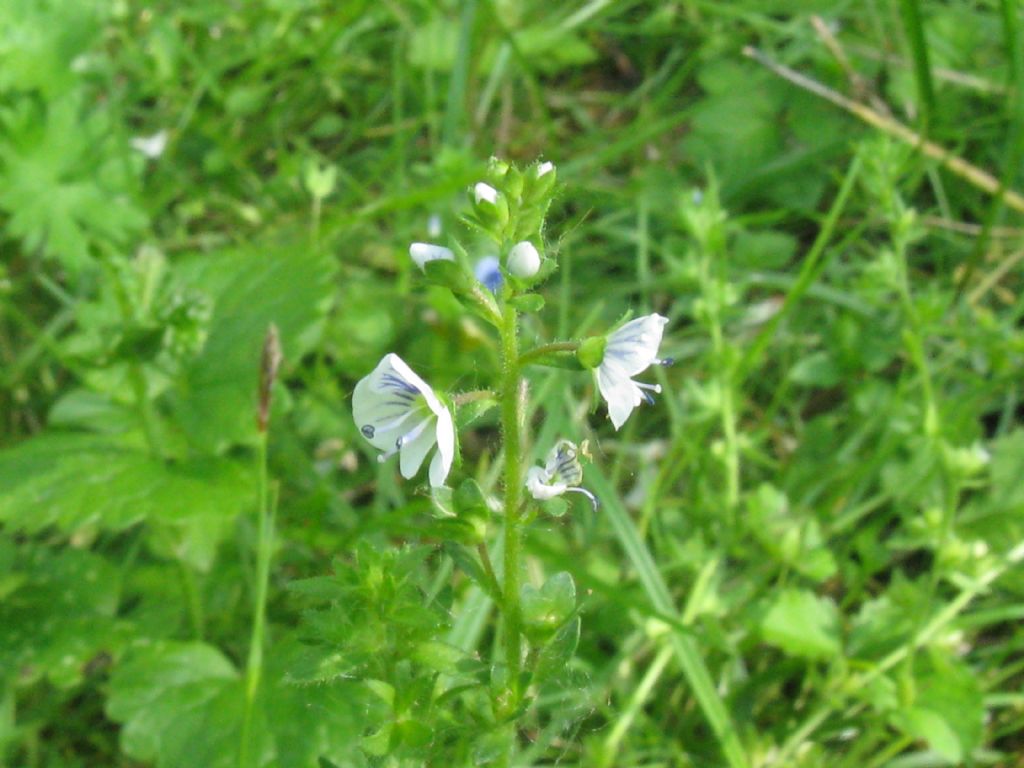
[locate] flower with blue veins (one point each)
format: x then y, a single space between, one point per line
561 473
621 355
398 412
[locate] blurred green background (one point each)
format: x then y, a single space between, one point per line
826 500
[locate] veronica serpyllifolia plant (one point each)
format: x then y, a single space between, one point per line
399 413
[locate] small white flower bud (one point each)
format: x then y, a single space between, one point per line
523 260
484 192
421 253
544 168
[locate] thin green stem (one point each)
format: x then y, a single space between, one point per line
194 600
492 579
512 395
939 621
462 398
544 350
511 425
264 545
712 290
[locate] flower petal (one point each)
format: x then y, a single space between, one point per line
441 464
634 346
618 390
414 451
405 372
539 489
383 400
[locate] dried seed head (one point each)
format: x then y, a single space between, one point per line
270 362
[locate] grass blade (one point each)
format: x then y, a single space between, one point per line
685 648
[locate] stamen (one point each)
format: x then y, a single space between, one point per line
412 434
408 437
593 499
646 389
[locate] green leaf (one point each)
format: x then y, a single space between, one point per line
796 542
819 369
64 183
58 613
253 287
930 727
529 302
547 608
75 481
802 624
182 705
163 692
949 709
557 652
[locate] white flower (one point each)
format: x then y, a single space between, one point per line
545 168
486 192
560 474
398 412
150 146
423 252
630 350
523 259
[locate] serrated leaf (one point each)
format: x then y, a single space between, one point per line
73 481
64 184
802 624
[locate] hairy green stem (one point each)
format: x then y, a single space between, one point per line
264 545
512 410
511 425
539 352
462 398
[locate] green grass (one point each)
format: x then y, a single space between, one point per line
808 549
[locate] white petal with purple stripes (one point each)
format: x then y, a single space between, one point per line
398 412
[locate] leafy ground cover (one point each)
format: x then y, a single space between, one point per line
807 551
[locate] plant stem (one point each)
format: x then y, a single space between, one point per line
264 544
462 398
194 599
544 350
712 289
511 425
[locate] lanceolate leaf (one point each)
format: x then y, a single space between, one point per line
252 287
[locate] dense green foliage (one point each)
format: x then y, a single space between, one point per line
807 551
